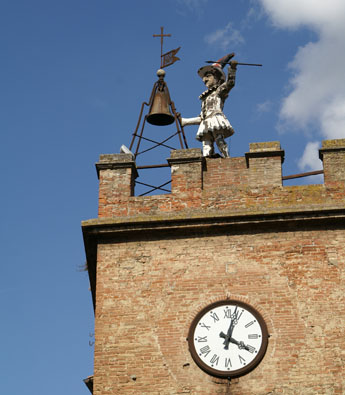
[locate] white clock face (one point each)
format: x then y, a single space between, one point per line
229 338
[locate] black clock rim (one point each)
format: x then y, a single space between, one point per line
235 373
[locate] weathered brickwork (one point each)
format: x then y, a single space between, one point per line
228 229
250 184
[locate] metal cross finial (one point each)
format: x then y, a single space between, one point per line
162 35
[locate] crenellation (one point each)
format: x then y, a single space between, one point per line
251 184
186 172
116 174
264 161
332 155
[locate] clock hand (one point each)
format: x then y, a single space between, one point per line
227 337
241 345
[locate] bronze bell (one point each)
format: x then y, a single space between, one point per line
159 113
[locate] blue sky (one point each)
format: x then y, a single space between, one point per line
73 76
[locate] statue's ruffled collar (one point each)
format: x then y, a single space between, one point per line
208 92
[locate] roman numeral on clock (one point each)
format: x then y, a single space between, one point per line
249 324
205 350
215 359
228 363
204 326
214 316
251 349
242 360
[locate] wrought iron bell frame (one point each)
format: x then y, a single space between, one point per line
168 117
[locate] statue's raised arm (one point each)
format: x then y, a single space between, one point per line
230 81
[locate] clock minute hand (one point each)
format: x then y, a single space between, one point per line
241 345
234 320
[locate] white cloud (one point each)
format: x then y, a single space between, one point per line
317 96
254 13
226 37
193 4
313 13
333 119
264 107
310 158
318 82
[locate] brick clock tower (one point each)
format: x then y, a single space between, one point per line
230 284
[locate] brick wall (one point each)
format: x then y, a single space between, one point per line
228 229
247 184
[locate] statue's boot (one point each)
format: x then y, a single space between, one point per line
222 146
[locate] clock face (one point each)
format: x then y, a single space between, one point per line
228 338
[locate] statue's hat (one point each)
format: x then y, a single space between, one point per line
216 67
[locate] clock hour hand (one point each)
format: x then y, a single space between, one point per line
227 336
226 341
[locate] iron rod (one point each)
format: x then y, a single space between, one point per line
152 166
300 175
